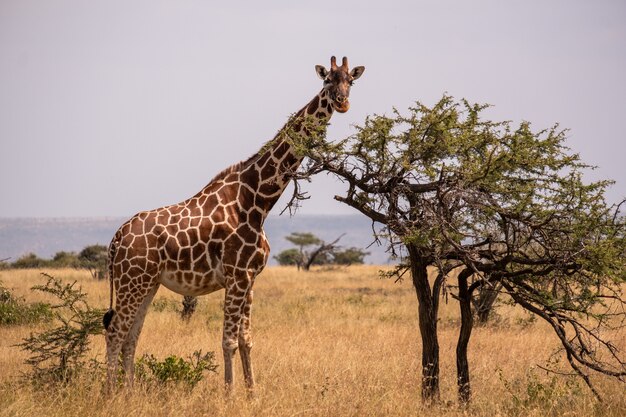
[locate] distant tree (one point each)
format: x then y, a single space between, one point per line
291 256
484 299
190 303
65 260
349 256
30 260
506 206
94 258
321 253
303 240
4 264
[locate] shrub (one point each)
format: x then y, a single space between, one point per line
289 257
94 258
175 369
161 304
349 256
58 354
15 311
30 260
65 260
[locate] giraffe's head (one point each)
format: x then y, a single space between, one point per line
337 82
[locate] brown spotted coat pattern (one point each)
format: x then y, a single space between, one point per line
211 241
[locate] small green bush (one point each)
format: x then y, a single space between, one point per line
175 369
533 392
58 354
15 311
162 304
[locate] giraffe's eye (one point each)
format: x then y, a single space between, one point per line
351 83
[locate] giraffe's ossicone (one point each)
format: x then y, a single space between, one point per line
212 240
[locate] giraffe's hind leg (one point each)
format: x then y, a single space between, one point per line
130 344
245 341
129 302
115 335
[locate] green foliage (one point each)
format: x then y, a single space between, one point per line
534 392
58 354
349 256
289 257
506 200
65 260
93 258
29 261
15 311
303 239
175 369
161 304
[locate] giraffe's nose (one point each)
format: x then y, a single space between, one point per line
341 99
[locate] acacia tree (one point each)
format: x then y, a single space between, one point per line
505 206
94 258
307 258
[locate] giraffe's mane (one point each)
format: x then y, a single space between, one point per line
247 162
235 167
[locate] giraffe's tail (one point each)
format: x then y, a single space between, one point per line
108 316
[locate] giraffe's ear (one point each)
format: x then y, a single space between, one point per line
322 72
357 72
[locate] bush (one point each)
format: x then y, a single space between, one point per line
94 258
65 260
15 311
175 369
30 260
289 257
349 256
162 304
58 354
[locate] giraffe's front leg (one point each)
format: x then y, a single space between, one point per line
245 341
234 302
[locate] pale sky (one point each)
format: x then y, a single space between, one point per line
112 107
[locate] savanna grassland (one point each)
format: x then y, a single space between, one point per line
339 342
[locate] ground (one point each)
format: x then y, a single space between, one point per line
339 342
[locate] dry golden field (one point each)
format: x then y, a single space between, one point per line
327 343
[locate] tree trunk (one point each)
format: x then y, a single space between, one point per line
189 307
467 321
484 302
427 314
324 247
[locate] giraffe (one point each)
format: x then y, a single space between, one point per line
213 240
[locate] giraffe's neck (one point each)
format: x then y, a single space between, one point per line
281 160
258 182
271 172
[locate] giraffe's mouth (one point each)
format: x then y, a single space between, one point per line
341 107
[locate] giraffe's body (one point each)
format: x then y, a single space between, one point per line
211 241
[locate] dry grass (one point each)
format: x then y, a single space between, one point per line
327 343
